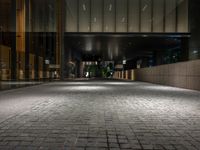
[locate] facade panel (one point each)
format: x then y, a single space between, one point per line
114 16
170 16
146 15
96 15
127 16
158 16
84 16
134 16
109 15
121 16
71 15
182 22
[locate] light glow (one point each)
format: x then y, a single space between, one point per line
85 88
84 7
110 7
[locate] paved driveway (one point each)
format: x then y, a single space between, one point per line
100 115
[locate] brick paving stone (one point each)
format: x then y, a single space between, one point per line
100 115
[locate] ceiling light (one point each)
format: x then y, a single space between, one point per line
123 19
110 7
95 19
124 62
145 7
195 52
84 7
88 45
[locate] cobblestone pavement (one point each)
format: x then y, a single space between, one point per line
100 115
6 85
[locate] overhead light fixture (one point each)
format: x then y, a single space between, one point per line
110 7
88 45
123 19
195 52
145 7
124 62
95 19
84 7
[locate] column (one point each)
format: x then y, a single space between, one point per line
20 38
13 44
28 38
60 38
184 49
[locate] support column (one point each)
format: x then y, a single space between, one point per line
28 38
44 54
184 49
158 56
60 54
36 61
20 38
13 43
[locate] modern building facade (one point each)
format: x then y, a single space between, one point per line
55 38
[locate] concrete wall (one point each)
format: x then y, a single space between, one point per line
183 75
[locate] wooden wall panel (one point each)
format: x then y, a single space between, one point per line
5 62
20 25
